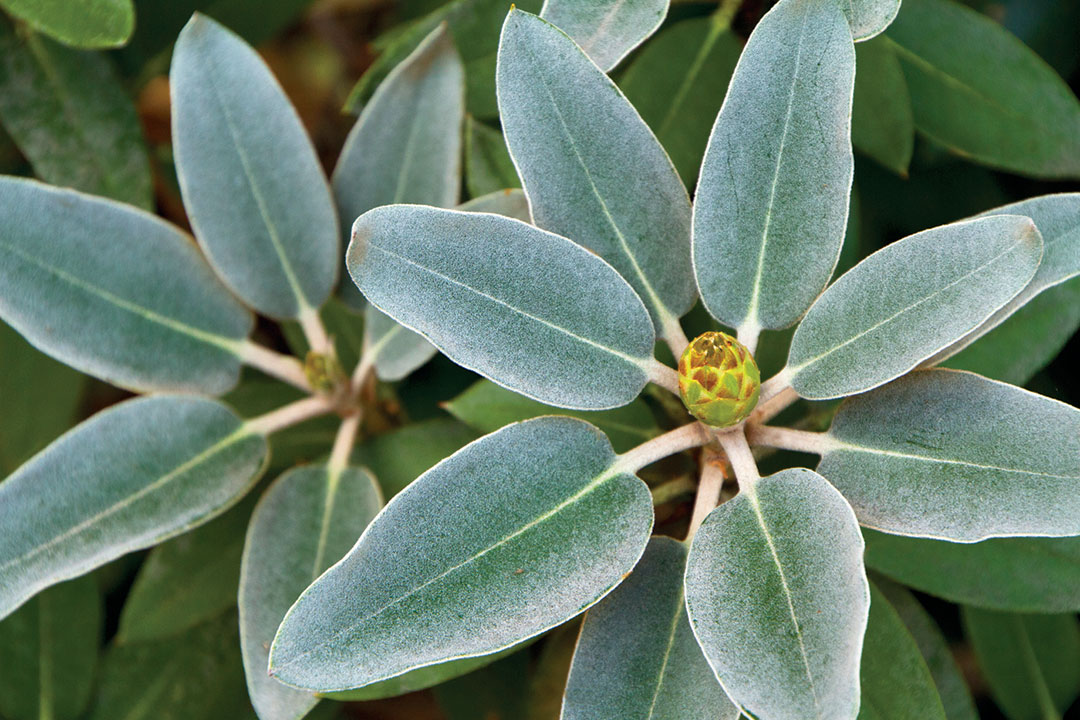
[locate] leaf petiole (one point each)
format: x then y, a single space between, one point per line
805 441
742 460
674 441
289 415
708 492
275 364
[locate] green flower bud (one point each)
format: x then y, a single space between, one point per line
718 379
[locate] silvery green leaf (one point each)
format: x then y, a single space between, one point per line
1030 662
954 456
272 234
636 656
511 203
143 311
591 167
1021 574
607 30
778 598
772 199
526 308
305 522
394 350
896 682
869 17
127 478
49 650
909 300
561 525
952 688
72 118
1058 219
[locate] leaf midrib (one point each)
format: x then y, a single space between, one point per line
836 444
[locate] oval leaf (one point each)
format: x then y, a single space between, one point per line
1058 220
909 300
636 656
607 30
561 526
395 351
772 200
778 598
870 17
572 335
978 89
305 522
272 235
954 456
87 24
142 311
896 682
109 487
72 118
591 167
510 202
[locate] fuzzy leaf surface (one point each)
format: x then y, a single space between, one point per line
593 170
977 89
127 478
72 118
954 456
469 283
771 204
305 522
514 534
88 24
272 235
909 300
609 29
143 311
869 17
510 202
636 656
778 598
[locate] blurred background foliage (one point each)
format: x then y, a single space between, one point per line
952 115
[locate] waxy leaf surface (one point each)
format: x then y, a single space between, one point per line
778 598
591 167
954 456
637 657
73 119
272 234
528 309
49 651
607 30
143 311
772 200
305 522
509 537
87 24
128 478
906 302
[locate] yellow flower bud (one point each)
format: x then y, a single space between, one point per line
718 379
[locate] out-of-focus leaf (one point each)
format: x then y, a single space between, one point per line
48 652
511 203
40 398
896 682
954 456
562 525
496 691
128 478
909 300
678 82
1017 574
186 581
978 90
607 30
952 689
1031 662
469 283
393 350
399 457
193 676
487 407
778 597
870 17
272 235
637 656
143 311
488 167
882 125
71 117
772 201
592 169
305 522
547 682
85 24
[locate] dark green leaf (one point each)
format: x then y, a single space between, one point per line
399 457
882 125
488 166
